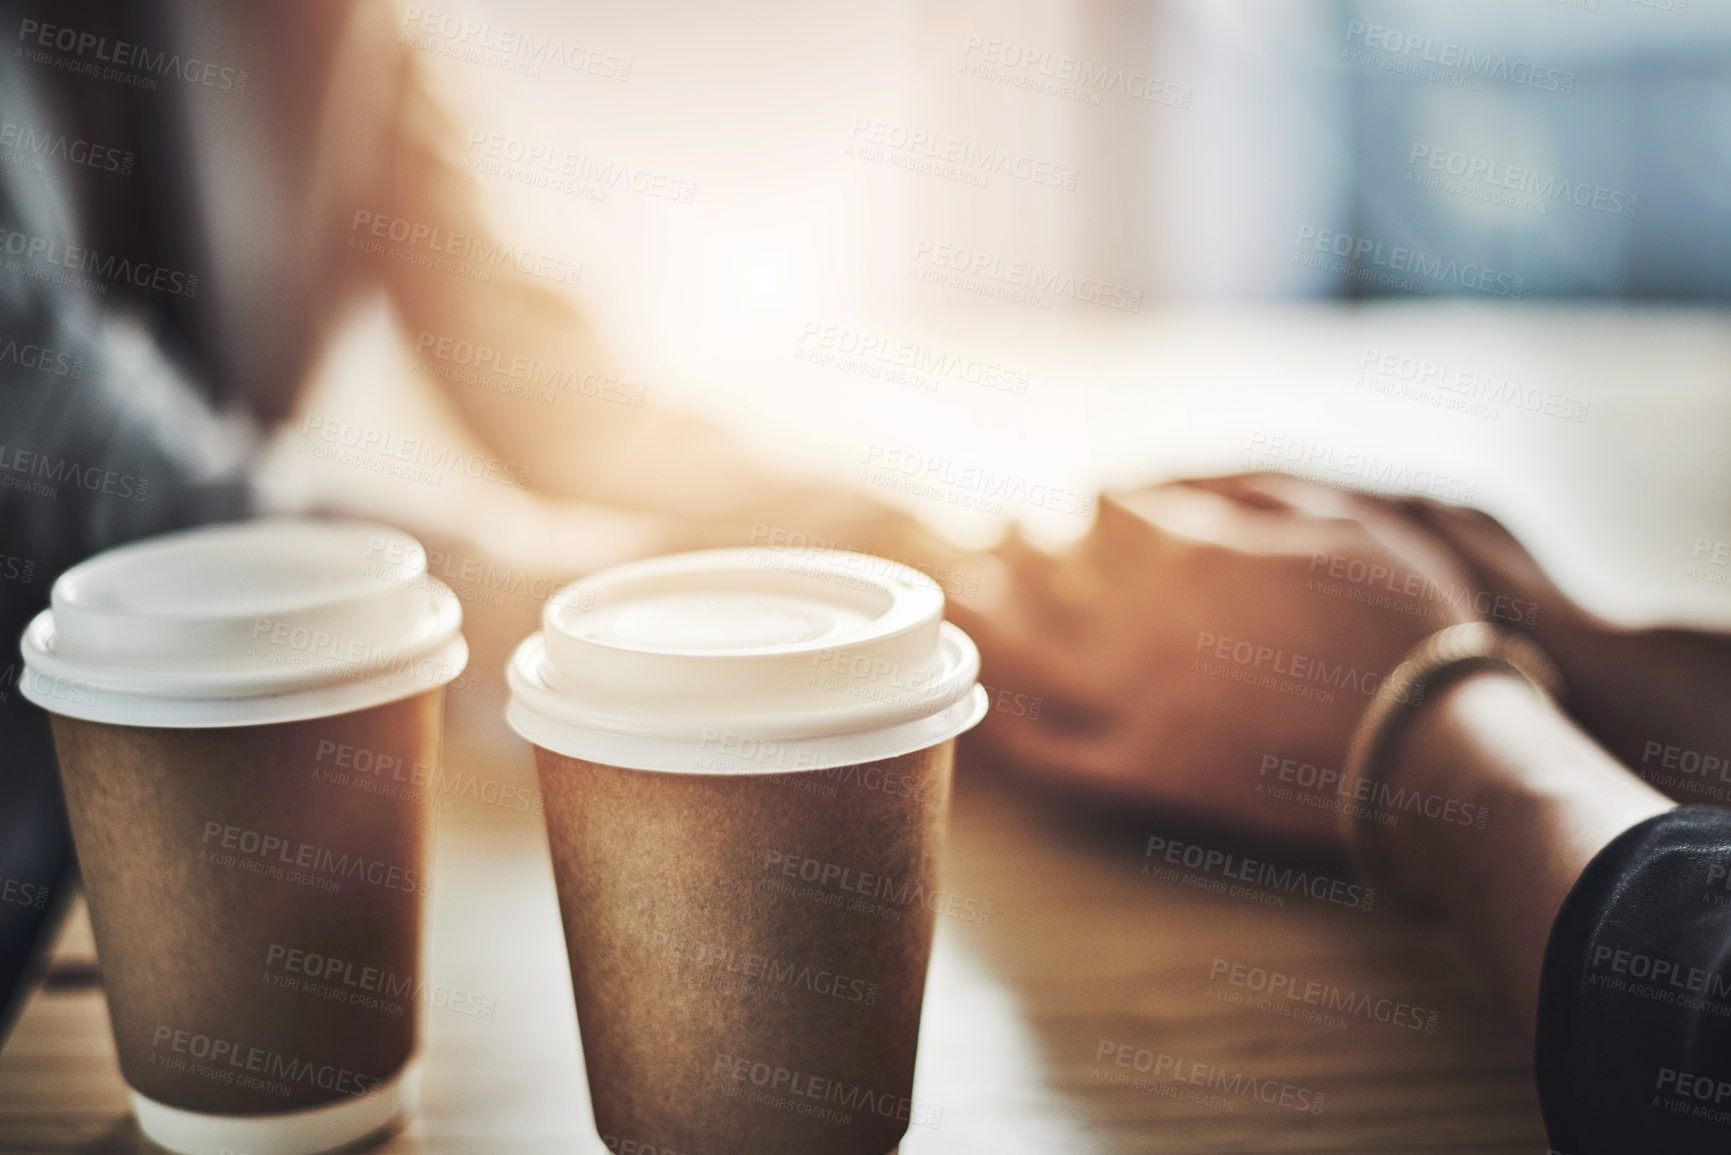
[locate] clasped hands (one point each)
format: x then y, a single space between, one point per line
1210 646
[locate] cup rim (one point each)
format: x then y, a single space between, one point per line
66 689
732 752
93 655
825 659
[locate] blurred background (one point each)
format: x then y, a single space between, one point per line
1482 242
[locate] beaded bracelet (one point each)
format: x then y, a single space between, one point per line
1450 653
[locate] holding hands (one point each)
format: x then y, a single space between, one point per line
1211 644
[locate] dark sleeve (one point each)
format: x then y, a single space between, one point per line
103 438
101 441
1634 1032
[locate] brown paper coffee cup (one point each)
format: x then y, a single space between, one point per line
258 919
748 954
745 762
247 722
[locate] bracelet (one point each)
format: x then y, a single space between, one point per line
1450 653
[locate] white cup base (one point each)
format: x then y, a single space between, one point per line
311 1131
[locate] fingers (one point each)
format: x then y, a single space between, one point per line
1023 652
1457 520
1042 666
1486 547
1280 493
1252 490
1435 537
1094 755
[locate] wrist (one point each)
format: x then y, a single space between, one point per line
1550 797
1445 657
1432 755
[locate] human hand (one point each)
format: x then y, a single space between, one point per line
1207 643
1654 697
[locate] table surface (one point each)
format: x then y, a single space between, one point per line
1078 948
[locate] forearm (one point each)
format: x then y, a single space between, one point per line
589 431
1555 800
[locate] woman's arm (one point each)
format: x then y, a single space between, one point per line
1555 800
605 450
1604 911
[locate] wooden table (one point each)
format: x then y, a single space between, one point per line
1080 950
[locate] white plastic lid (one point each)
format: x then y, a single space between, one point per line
745 660
246 623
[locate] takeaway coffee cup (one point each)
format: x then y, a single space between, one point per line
745 759
245 717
